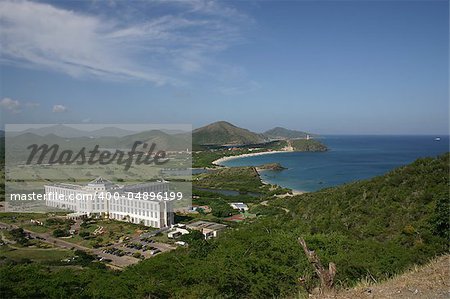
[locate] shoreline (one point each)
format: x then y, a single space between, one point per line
228 158
294 191
259 171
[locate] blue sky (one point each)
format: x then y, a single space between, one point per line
330 67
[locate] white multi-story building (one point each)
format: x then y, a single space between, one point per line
124 203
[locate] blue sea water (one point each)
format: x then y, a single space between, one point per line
350 158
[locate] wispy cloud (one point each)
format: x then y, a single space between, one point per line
10 105
163 49
16 106
59 109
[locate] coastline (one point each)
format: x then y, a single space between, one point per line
294 191
228 158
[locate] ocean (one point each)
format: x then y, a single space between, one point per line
349 159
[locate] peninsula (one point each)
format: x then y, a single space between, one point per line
222 141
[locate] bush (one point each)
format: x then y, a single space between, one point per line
19 235
60 233
84 234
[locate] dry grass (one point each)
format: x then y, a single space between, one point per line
429 281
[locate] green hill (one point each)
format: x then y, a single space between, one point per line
310 145
283 133
224 133
373 228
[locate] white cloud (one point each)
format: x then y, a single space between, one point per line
59 108
10 105
161 49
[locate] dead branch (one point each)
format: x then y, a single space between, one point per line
326 276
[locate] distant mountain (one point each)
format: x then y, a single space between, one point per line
224 133
58 130
109 131
17 145
283 133
161 139
69 132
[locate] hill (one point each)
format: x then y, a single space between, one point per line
310 145
283 133
375 228
70 132
58 130
224 133
160 138
109 131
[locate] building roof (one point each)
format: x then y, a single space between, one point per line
206 225
108 185
100 181
239 205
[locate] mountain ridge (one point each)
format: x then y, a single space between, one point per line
283 133
225 133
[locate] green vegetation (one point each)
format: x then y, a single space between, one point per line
218 203
279 132
7 253
19 236
205 158
222 132
2 166
310 145
372 228
49 221
111 232
58 226
202 196
271 166
244 179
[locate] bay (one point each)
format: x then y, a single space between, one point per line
350 158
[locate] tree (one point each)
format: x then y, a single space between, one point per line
60 233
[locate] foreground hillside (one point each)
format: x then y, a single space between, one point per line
371 229
430 281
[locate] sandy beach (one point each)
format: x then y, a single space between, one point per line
228 158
